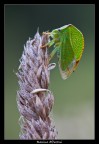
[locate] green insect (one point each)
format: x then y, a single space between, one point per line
69 45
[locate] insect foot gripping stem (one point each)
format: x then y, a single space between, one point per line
46 35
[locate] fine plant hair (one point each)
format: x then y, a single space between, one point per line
34 100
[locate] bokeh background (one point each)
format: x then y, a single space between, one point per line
73 111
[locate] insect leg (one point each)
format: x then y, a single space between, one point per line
48 44
53 53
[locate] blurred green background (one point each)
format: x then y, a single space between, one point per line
73 111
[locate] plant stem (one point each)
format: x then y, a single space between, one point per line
34 100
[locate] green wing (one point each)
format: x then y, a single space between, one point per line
77 41
66 52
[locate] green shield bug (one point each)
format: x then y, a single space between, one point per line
69 45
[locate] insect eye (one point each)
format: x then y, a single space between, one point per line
59 30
